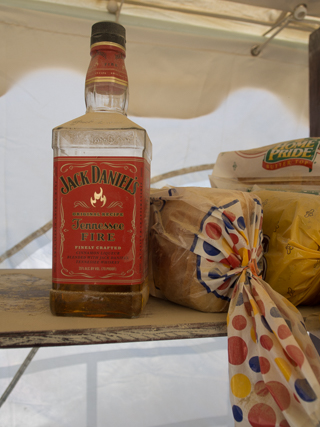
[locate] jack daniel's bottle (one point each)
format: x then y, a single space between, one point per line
101 194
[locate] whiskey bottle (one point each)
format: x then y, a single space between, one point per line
101 194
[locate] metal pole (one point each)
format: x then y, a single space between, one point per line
18 375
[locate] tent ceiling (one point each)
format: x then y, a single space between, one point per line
313 6
253 17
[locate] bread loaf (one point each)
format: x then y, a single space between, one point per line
198 238
291 244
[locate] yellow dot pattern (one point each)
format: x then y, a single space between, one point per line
253 335
254 307
245 256
284 367
256 237
226 247
240 385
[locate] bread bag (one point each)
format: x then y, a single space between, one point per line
191 250
289 165
274 368
291 243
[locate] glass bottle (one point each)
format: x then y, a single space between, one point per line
101 194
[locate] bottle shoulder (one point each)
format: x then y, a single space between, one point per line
96 134
100 121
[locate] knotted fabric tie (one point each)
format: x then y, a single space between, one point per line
274 368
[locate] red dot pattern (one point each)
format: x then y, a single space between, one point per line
295 354
248 308
266 349
264 365
213 230
230 215
272 396
237 350
261 307
262 415
284 332
261 389
239 322
234 261
224 285
266 342
234 238
280 394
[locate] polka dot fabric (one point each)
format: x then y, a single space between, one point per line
272 361
274 368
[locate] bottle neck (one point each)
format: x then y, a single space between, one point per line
107 81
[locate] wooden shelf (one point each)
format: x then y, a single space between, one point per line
26 320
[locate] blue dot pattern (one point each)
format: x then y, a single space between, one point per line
304 391
237 413
254 364
241 223
210 250
272 361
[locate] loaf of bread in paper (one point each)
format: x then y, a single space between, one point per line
191 247
292 244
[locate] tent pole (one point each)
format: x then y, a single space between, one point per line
18 375
314 83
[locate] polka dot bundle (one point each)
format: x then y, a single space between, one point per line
274 368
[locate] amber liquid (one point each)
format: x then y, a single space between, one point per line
125 301
106 135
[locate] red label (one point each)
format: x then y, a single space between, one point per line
286 163
100 220
107 66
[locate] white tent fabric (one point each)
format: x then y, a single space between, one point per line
188 90
197 90
162 384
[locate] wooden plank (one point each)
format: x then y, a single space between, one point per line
26 321
314 83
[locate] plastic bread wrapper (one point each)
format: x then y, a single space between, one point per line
274 368
291 243
289 166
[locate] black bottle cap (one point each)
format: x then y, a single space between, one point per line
107 31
